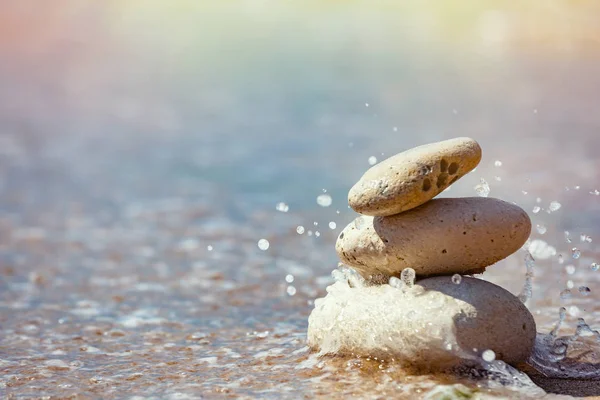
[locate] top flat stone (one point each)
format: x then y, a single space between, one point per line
413 177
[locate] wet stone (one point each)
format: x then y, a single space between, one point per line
442 237
413 177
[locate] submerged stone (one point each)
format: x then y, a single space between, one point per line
413 177
441 237
435 324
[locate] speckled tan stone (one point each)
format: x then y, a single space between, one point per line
441 237
413 177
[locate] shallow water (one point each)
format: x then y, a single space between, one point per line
144 151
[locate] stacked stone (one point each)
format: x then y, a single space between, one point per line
403 227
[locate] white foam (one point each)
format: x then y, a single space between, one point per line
383 320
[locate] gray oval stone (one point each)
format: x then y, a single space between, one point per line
413 177
435 324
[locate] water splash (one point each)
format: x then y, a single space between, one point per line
527 290
551 352
408 276
482 188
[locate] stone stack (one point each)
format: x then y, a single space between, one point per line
402 227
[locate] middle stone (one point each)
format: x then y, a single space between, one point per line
441 237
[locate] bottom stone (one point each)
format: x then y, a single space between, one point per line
434 324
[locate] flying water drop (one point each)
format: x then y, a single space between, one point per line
395 282
282 207
488 355
554 206
570 269
482 188
584 290
324 200
408 276
565 294
263 244
527 290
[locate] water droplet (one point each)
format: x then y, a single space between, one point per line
291 290
300 229
524 191
282 207
332 225
456 279
497 178
498 163
408 277
584 290
577 187
359 222
395 282
585 238
554 206
536 209
488 355
482 188
575 253
573 311
372 160
570 284
567 237
395 129
324 200
366 104
561 259
289 278
595 266
317 233
309 233
596 192
570 269
541 250
263 244
315 223
538 200
565 294
541 229
527 290
209 248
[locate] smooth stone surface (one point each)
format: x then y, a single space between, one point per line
413 177
441 237
435 324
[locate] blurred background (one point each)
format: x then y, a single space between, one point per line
276 100
146 146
